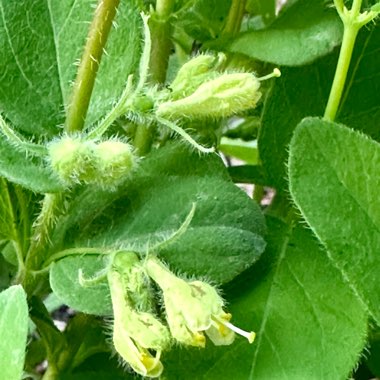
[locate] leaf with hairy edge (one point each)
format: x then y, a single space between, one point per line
29 172
225 235
40 41
334 180
304 91
309 323
13 332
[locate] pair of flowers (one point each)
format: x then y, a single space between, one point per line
193 309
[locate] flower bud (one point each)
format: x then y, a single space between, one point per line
114 161
71 158
191 75
220 97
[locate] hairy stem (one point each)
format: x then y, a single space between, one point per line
161 40
88 68
52 206
158 39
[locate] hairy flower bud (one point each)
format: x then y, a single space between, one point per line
192 74
71 158
220 97
77 160
114 161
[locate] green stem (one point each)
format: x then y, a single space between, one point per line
85 80
159 42
351 29
51 373
51 208
232 28
78 251
235 17
349 37
161 29
119 109
143 139
356 6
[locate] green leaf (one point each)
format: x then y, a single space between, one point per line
334 181
54 341
64 282
265 9
248 174
100 367
6 212
302 92
40 42
121 59
13 332
243 150
223 238
30 93
98 375
373 356
309 323
35 355
86 337
376 7
29 172
304 32
204 19
6 273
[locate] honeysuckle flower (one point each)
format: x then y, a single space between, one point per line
139 358
223 96
220 97
193 308
135 332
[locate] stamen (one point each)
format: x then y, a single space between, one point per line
275 74
249 335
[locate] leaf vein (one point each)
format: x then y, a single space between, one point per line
56 50
19 66
268 304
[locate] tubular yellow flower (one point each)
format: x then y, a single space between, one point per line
135 332
139 358
193 308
